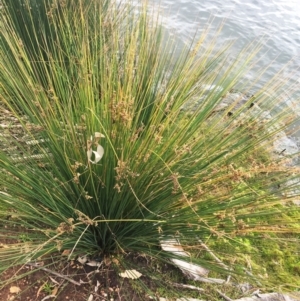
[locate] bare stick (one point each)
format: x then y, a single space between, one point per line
53 272
192 287
228 279
213 255
271 296
224 296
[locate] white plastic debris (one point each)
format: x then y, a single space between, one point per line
82 259
94 263
98 154
192 271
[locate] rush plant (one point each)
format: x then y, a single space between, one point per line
124 144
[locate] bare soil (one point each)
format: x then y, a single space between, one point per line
93 283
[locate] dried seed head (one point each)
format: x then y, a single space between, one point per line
85 219
146 157
66 227
76 178
174 177
118 187
87 196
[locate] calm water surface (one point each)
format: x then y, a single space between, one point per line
278 21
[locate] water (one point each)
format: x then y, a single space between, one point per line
276 21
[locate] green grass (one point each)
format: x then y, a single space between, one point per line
91 67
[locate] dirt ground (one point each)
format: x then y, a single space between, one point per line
69 280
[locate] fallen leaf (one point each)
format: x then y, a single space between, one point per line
115 261
14 289
54 281
132 274
40 289
91 298
54 291
66 252
107 261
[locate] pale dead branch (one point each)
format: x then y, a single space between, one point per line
271 297
223 296
187 286
53 273
203 245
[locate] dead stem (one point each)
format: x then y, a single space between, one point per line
53 272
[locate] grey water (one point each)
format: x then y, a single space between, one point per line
275 22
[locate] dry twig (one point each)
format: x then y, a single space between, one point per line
223 296
53 273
